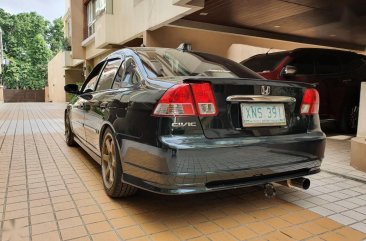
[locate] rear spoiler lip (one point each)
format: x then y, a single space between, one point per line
234 81
279 83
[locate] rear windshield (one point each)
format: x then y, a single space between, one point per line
265 62
171 62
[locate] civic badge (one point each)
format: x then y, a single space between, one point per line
265 89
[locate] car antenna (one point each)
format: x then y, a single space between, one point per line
268 51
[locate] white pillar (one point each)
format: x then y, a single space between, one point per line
358 144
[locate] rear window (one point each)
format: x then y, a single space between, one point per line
352 62
171 62
265 62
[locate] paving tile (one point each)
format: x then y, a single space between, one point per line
110 236
70 222
296 233
42 218
54 236
93 218
219 236
226 223
44 227
208 227
351 234
322 211
355 215
122 222
342 219
98 227
131 232
242 233
359 226
164 236
74 232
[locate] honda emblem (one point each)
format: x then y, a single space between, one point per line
265 90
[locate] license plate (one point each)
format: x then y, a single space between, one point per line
258 114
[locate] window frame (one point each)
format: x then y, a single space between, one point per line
136 68
107 61
91 16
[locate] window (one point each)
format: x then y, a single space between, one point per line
127 75
351 62
265 62
304 64
110 70
90 86
91 81
328 64
100 6
91 16
171 62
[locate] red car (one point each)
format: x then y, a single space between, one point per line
336 74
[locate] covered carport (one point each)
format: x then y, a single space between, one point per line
239 29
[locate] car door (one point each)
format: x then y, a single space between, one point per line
328 68
100 99
78 108
129 83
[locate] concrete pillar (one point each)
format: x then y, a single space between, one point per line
358 144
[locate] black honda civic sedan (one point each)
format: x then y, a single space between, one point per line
177 122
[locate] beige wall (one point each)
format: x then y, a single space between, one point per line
56 79
77 28
131 18
361 132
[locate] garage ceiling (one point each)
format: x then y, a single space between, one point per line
336 22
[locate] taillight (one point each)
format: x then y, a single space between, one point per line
177 101
187 100
205 100
310 102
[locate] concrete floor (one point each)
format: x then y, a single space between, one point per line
49 191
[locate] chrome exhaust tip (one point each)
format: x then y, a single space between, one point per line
301 182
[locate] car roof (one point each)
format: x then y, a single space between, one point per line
308 50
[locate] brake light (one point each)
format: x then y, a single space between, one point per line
187 100
177 101
205 100
310 102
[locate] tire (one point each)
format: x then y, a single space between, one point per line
112 168
349 119
69 135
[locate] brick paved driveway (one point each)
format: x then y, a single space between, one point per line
49 191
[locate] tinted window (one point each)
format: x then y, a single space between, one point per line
328 64
171 62
351 62
91 81
263 63
304 64
90 86
110 70
127 75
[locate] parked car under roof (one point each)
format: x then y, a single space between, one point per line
177 122
337 75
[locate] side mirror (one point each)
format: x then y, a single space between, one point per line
72 89
289 70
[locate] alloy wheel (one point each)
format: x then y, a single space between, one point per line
108 160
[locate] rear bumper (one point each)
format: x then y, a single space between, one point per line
193 164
